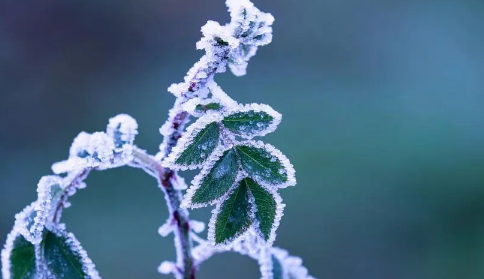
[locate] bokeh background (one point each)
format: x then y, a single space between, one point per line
383 120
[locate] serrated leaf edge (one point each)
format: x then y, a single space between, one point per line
20 224
277 218
185 141
277 117
290 171
88 266
216 211
6 251
196 182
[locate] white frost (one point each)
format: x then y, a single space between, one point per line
88 151
167 228
276 154
277 219
265 263
44 206
122 128
256 110
219 95
87 265
25 220
7 249
167 267
187 139
216 211
197 226
197 180
291 265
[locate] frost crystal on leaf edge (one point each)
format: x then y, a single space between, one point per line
276 153
188 138
196 183
256 108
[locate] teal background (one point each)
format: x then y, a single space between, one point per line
382 105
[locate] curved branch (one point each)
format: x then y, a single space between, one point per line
183 242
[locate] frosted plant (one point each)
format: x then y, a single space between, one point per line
239 176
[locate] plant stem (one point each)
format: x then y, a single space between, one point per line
183 242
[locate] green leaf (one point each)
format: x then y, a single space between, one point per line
252 120
234 217
202 144
209 106
266 207
261 165
22 259
277 271
63 256
219 180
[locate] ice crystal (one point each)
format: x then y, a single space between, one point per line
219 95
178 182
88 151
291 266
265 263
25 220
167 227
122 129
167 267
197 226
252 27
6 251
48 189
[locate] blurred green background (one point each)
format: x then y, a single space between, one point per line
383 121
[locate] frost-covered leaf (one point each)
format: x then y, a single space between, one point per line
214 180
268 209
65 257
18 258
265 164
252 27
122 129
251 120
197 144
232 217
